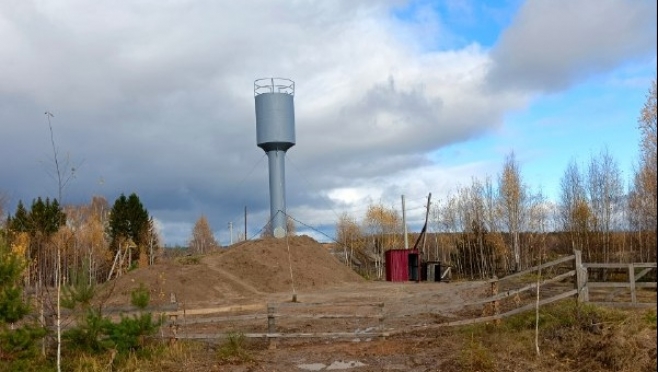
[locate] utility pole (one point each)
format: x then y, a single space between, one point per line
230 231
427 215
245 222
404 225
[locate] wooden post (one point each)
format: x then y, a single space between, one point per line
42 322
381 318
631 281
271 325
173 326
581 277
184 319
496 303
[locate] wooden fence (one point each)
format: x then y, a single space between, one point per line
632 285
281 320
562 278
537 286
580 288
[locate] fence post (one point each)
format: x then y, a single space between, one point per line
581 277
173 327
381 318
631 281
496 303
271 326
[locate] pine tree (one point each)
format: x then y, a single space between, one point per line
128 219
17 342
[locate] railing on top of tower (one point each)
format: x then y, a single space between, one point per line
274 85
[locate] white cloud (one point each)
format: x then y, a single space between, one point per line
156 97
553 43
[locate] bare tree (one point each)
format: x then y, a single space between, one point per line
605 193
384 226
574 209
202 239
447 223
349 235
512 197
643 194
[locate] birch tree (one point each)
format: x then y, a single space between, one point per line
605 193
573 208
384 226
512 197
350 236
643 195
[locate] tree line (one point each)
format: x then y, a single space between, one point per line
497 226
94 238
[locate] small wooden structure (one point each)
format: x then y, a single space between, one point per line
402 265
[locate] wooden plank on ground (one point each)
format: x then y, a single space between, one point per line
190 320
320 304
224 309
214 336
326 316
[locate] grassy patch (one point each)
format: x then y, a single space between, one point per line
476 357
572 336
234 350
650 318
189 260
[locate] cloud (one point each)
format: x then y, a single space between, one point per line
157 97
552 44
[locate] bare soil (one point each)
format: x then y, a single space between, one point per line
244 273
260 272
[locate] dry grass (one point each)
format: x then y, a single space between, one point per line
572 338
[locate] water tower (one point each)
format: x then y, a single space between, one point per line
275 134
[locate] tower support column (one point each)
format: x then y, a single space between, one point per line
277 168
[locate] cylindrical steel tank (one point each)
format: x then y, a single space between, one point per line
275 114
275 133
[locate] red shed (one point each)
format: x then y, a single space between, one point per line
402 265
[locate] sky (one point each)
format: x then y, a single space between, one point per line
392 98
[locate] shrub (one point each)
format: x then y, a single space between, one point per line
18 343
233 350
140 297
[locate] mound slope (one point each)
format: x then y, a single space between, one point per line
244 273
266 265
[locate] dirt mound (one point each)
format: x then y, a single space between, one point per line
243 273
266 265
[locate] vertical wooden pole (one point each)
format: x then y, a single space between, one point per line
184 319
173 326
496 303
42 321
631 281
581 277
271 325
381 318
